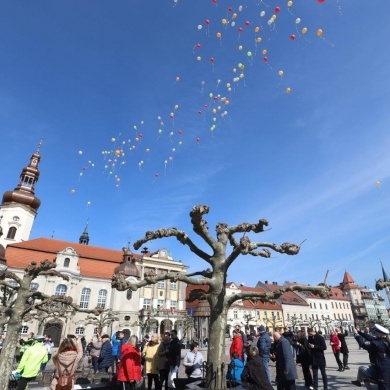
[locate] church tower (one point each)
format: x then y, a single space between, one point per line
20 206
84 238
386 279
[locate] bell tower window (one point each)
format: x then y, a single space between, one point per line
11 232
66 262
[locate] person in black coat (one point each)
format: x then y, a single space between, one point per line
254 376
304 357
342 334
286 372
317 346
379 348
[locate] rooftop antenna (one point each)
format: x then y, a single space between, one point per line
326 276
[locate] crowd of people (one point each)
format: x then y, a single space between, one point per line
251 353
158 360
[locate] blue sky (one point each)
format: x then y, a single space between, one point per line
96 77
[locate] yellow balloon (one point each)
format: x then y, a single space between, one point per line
304 30
288 90
224 21
257 29
214 110
242 75
176 106
73 191
273 17
199 58
234 16
289 3
377 183
264 51
258 39
219 35
240 47
228 85
280 73
319 32
227 102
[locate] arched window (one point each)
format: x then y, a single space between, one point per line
11 232
102 297
79 330
129 294
61 290
85 296
66 262
34 286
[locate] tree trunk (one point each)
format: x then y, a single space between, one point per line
216 348
8 352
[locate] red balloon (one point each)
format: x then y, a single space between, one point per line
156 175
215 98
205 106
265 59
200 112
207 21
180 132
140 135
212 59
321 1
198 140
197 45
277 9
239 29
247 23
292 37
230 9
215 1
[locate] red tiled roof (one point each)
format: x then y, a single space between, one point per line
93 261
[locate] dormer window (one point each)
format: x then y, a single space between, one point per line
11 232
66 262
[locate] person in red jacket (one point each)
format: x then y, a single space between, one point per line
237 345
129 368
336 345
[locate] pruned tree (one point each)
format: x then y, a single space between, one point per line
381 284
103 320
24 303
214 277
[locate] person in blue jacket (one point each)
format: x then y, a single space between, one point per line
235 368
115 350
105 357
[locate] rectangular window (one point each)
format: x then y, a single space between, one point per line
173 304
24 329
146 304
161 284
326 306
314 306
235 314
258 314
278 315
173 285
320 306
160 304
332 305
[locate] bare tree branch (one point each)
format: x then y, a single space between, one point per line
268 296
200 225
121 284
180 236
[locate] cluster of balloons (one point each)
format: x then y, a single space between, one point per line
229 48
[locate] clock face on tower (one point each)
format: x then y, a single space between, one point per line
16 218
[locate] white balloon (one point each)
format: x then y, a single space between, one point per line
298 20
200 27
240 8
262 13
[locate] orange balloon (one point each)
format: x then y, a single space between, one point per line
319 32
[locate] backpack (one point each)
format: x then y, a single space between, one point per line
64 381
